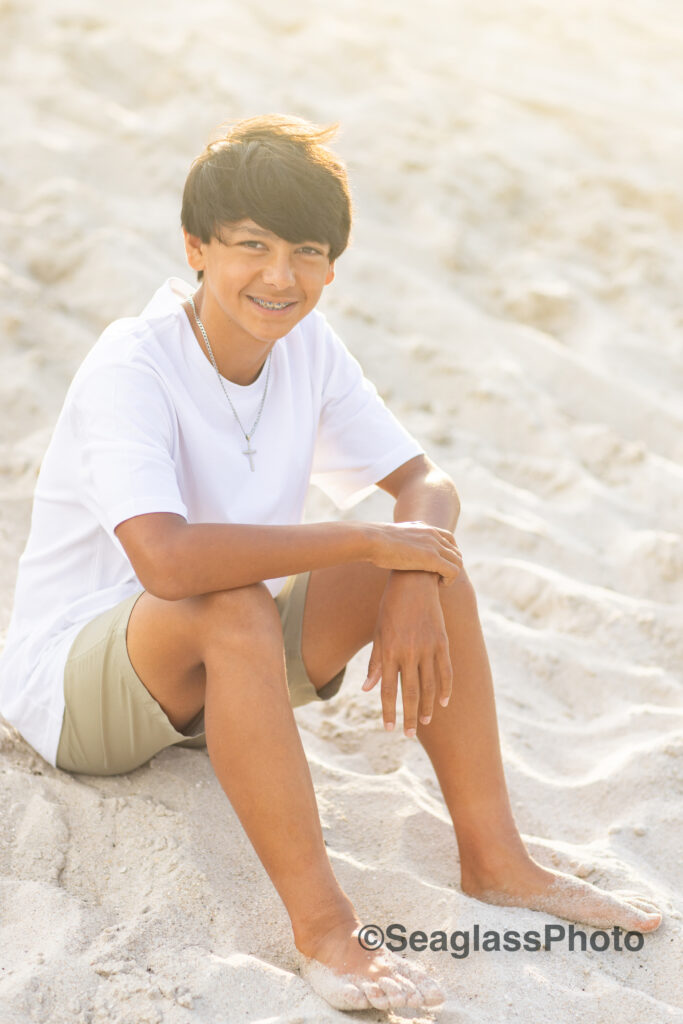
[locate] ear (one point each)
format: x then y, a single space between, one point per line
330 274
194 250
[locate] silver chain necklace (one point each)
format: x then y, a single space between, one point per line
250 452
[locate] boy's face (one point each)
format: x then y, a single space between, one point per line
260 283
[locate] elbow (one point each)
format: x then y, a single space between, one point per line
162 587
162 577
158 580
152 544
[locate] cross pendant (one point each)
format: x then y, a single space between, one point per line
249 452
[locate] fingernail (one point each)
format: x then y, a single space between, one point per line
410 733
426 720
388 726
443 701
365 684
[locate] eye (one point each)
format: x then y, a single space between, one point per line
252 243
310 250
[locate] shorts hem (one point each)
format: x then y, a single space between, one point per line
112 724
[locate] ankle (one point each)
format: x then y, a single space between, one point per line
312 930
484 864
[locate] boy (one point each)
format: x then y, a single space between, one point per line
169 593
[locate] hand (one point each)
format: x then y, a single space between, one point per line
416 546
410 639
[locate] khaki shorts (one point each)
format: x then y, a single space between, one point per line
113 724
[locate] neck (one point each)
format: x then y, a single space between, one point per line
234 365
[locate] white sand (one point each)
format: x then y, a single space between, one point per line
514 288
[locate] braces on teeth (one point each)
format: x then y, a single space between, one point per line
269 305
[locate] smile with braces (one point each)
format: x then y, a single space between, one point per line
269 305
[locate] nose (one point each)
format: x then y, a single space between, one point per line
279 273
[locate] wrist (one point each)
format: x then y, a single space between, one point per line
365 538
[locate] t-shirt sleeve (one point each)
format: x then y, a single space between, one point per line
125 432
359 440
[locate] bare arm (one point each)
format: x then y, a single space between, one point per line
423 493
410 639
174 559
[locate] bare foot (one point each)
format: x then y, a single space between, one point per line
554 892
349 977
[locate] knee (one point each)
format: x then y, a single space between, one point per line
241 614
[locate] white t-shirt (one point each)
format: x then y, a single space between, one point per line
145 427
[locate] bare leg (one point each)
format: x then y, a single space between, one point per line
225 651
463 745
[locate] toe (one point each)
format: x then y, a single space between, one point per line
375 995
433 994
430 991
643 904
642 920
343 993
416 1000
398 992
635 898
348 997
630 911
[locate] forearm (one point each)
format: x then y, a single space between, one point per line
204 557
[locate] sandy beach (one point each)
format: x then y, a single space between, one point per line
513 288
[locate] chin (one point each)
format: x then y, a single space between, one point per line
274 330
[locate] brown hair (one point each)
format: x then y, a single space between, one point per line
277 171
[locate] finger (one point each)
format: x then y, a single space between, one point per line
450 546
389 691
410 692
427 690
374 666
451 561
455 566
445 673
